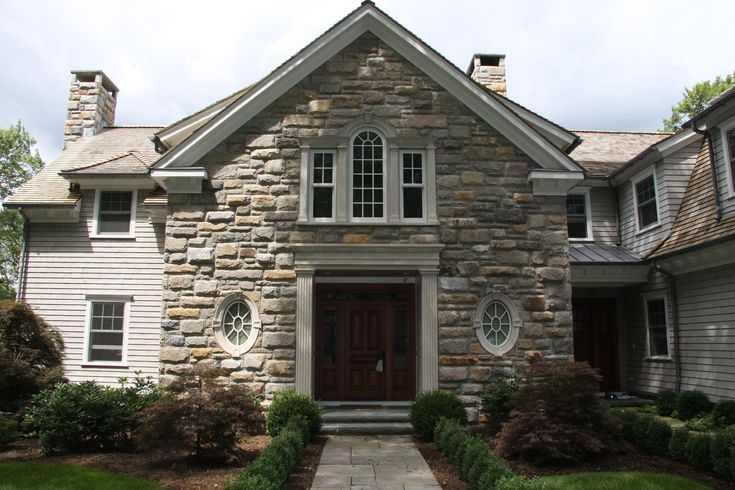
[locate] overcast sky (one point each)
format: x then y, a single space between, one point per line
587 64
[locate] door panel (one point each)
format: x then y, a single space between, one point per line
595 338
367 336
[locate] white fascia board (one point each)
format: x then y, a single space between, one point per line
554 182
505 121
608 274
179 132
53 214
549 130
110 182
180 180
699 258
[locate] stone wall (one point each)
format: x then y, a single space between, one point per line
91 106
236 235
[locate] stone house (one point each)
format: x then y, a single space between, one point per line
364 223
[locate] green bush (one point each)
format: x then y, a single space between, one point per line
723 452
87 416
627 419
474 450
678 444
658 437
287 403
516 482
698 451
429 406
691 404
723 414
8 430
641 425
666 403
495 470
701 423
442 431
497 401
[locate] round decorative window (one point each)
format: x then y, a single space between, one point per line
497 324
236 324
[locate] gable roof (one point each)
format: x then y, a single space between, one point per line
128 163
368 18
601 153
696 223
111 146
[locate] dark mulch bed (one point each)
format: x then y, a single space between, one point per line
628 459
170 470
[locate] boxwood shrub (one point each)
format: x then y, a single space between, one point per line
723 452
723 414
666 403
287 403
691 404
429 406
698 450
678 444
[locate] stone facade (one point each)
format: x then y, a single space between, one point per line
91 107
237 234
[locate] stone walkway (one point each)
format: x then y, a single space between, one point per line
373 462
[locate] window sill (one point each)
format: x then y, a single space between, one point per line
587 240
104 365
658 359
648 228
112 237
366 223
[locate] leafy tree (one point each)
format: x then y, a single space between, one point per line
19 160
695 100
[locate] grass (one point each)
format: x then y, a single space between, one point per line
620 481
44 476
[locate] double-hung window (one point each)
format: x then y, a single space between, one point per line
645 201
106 329
413 185
657 329
578 216
114 213
322 182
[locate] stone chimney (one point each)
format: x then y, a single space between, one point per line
489 70
92 100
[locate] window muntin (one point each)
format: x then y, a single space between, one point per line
115 210
413 194
646 207
577 218
367 170
657 327
236 324
322 181
730 145
497 324
106 331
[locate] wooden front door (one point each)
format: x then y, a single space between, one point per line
595 338
365 342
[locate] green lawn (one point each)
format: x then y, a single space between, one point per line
620 481
31 475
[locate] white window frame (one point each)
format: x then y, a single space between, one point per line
729 160
96 213
350 167
312 185
90 299
222 341
515 327
421 186
588 214
654 296
634 182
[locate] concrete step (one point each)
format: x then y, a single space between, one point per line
382 415
362 428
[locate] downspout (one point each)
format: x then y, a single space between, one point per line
20 289
616 203
712 167
675 326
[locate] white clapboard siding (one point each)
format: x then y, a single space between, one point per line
604 217
672 177
64 265
706 307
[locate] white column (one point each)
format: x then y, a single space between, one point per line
429 365
304 332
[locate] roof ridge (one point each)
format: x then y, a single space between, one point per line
612 131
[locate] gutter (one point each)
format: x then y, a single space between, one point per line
675 326
23 262
712 166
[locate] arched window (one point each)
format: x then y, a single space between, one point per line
368 185
497 324
236 324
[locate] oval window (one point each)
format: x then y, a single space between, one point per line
497 324
236 324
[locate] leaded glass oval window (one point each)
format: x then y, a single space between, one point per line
497 324
236 324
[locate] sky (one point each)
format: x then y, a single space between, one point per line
588 64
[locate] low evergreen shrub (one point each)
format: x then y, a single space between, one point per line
701 423
658 437
8 430
287 403
429 406
495 471
723 452
475 449
723 415
666 403
678 444
698 450
497 401
641 424
691 404
517 482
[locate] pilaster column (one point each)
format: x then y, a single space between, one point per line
429 365
304 332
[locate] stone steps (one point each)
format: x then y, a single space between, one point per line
358 421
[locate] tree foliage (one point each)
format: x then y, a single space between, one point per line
695 100
19 161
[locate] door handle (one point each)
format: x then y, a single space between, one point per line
379 366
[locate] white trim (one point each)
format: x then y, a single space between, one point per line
588 214
699 258
180 180
608 274
106 298
515 323
650 172
652 296
364 19
96 212
310 191
553 182
729 160
374 256
221 309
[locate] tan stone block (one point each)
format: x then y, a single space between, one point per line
522 198
505 151
457 298
279 274
499 271
201 353
196 301
503 244
179 268
280 368
278 305
426 121
297 120
174 354
263 202
236 200
227 263
180 282
535 303
247 220
180 313
474 236
472 178
463 195
175 244
457 360
225 250
206 226
247 252
231 184
188 215
319 106
241 377
357 238
302 237
517 169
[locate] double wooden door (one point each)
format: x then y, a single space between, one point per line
365 342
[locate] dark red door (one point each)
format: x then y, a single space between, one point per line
595 338
365 352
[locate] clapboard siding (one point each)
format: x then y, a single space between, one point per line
706 307
672 177
727 204
64 265
604 217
